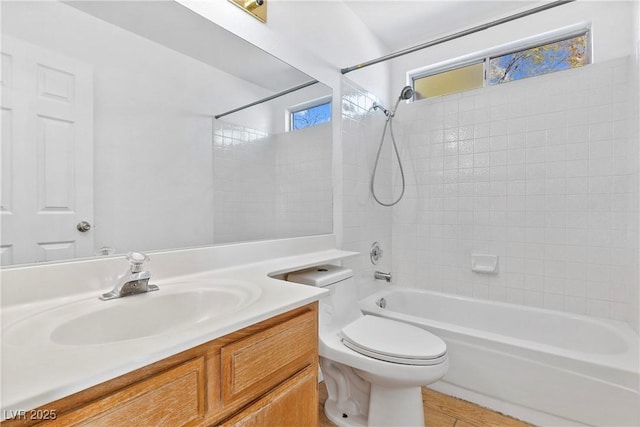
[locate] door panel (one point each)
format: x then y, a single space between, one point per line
47 154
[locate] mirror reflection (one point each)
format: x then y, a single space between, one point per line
109 142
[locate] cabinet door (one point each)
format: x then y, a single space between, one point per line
293 403
261 361
172 398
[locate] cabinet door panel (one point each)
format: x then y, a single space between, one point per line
294 403
255 364
172 398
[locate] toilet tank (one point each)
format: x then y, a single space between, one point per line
320 276
341 306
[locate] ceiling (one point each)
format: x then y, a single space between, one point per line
399 24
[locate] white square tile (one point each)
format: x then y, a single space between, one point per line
546 181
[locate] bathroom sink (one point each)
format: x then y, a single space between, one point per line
94 322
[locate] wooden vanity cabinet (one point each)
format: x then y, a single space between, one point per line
263 375
293 403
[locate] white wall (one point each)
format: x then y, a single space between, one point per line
271 185
243 166
542 172
318 38
153 132
305 43
356 217
152 139
535 171
304 194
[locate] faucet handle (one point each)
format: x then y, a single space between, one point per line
136 259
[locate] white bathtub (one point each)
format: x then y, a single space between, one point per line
542 366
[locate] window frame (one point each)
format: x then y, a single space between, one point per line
290 111
486 55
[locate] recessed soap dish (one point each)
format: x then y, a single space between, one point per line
484 263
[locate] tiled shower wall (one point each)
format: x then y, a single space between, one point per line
243 183
271 186
363 220
539 172
304 194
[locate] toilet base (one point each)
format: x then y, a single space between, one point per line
355 400
342 419
395 406
348 400
388 406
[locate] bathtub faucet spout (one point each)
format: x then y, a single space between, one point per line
379 275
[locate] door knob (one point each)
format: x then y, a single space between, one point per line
83 226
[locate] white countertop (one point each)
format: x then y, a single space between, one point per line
40 372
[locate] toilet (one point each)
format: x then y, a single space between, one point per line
374 368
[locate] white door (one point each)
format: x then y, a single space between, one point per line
46 155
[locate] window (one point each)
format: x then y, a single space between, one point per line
451 81
308 116
535 61
500 66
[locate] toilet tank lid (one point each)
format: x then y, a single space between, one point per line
320 276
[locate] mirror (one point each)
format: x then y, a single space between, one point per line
109 142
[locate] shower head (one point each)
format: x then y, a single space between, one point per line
406 93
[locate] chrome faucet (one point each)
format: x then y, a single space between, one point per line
132 282
379 275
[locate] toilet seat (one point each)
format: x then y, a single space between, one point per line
393 341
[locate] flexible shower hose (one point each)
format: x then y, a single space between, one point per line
388 123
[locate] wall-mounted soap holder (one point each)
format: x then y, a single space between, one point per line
484 263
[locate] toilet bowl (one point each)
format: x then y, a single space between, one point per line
374 368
